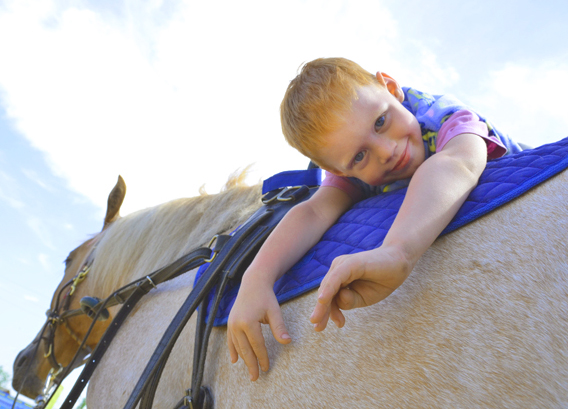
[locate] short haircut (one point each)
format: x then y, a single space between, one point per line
316 101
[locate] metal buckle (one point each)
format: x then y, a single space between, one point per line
48 353
41 400
119 299
284 195
53 319
213 240
269 197
80 277
50 380
150 281
291 189
187 399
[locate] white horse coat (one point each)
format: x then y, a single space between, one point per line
480 322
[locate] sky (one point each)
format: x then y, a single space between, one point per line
176 95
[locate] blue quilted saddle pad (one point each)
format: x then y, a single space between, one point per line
365 225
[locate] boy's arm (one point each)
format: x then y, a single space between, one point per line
436 192
256 303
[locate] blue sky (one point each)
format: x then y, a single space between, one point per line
174 95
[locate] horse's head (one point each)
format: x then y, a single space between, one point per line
59 340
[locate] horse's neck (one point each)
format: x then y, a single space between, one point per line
140 243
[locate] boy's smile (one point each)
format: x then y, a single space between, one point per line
380 141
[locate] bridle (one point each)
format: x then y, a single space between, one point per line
228 259
97 309
60 315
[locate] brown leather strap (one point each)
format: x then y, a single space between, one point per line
186 263
230 261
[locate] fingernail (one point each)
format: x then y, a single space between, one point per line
251 377
286 336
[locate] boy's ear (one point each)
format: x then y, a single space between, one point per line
391 85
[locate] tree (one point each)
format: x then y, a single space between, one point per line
4 378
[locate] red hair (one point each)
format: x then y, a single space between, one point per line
317 99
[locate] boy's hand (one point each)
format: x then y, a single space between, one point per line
358 280
255 304
438 188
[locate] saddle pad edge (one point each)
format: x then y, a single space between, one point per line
507 197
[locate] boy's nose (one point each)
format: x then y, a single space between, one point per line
385 150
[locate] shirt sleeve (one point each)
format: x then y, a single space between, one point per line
465 121
344 184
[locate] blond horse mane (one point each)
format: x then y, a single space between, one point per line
144 241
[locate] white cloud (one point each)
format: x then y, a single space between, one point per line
31 298
431 74
8 192
24 261
12 202
33 176
40 231
44 261
529 101
185 98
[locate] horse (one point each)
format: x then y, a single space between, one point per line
480 322
203 217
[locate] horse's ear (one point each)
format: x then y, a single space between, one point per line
115 199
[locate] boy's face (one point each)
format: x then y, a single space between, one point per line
380 141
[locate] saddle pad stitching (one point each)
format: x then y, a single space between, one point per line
503 180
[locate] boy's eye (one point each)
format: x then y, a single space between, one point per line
379 122
359 157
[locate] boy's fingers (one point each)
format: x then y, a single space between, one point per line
278 326
336 315
256 341
329 286
248 356
319 311
362 294
321 324
340 275
232 350
348 299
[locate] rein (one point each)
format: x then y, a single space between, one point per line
229 258
99 309
230 263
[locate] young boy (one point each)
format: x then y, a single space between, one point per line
371 136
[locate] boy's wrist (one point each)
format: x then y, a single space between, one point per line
258 277
406 259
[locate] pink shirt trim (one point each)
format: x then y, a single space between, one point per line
465 121
344 184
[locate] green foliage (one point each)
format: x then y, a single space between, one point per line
83 404
4 378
